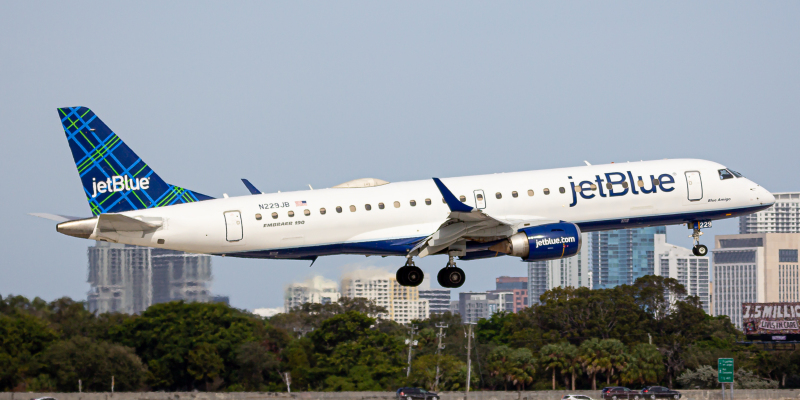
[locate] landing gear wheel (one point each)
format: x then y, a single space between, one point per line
451 277
700 250
410 274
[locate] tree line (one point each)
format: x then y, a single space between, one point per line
575 339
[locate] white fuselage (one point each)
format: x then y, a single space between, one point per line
204 227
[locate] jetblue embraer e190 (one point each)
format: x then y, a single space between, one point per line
534 215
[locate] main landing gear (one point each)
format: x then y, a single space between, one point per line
698 249
448 277
410 274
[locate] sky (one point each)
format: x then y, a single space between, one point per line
289 94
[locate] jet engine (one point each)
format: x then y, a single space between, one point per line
543 242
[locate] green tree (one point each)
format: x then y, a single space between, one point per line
165 335
423 372
617 357
22 337
255 363
645 365
523 368
553 358
94 363
593 359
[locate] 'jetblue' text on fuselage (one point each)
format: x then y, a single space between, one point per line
620 185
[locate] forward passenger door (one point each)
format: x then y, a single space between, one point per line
694 185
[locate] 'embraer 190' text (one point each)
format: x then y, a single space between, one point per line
620 184
118 183
552 241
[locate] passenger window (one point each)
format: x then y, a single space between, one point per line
306 212
338 209
640 183
479 197
258 217
291 213
396 204
381 206
624 185
367 207
578 189
274 215
655 182
427 202
593 186
609 186
498 195
562 190
725 174
352 208
413 203
443 201
514 194
546 191
462 199
530 192
322 211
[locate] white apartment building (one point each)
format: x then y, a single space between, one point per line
689 270
403 303
782 217
754 268
573 271
316 290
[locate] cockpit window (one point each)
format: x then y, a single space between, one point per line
725 174
738 175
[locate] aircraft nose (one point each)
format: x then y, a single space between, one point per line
763 196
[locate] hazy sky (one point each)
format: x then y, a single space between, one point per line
295 93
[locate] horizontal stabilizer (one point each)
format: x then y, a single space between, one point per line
55 217
251 187
450 198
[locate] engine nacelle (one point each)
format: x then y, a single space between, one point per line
544 242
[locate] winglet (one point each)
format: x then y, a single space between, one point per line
250 187
450 198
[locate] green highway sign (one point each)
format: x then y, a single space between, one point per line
725 370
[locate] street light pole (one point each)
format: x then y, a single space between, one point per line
469 335
410 342
441 336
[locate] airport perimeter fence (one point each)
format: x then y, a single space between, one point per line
771 394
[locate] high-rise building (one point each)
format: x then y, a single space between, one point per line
438 299
316 290
516 285
782 217
754 268
619 257
128 279
402 303
474 306
573 271
689 270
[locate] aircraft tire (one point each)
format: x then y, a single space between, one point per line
702 250
452 277
410 275
401 274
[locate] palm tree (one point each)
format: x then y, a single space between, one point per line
572 364
499 366
552 358
523 366
645 365
593 359
617 359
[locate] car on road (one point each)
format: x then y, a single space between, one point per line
618 392
660 392
576 397
411 393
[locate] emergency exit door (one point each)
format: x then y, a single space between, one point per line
694 185
480 200
233 226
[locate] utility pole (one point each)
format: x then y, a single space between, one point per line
469 335
439 349
411 343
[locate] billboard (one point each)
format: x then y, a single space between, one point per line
771 318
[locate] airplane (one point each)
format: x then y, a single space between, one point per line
533 215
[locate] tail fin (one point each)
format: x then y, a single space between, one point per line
114 178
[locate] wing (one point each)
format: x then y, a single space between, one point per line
462 224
